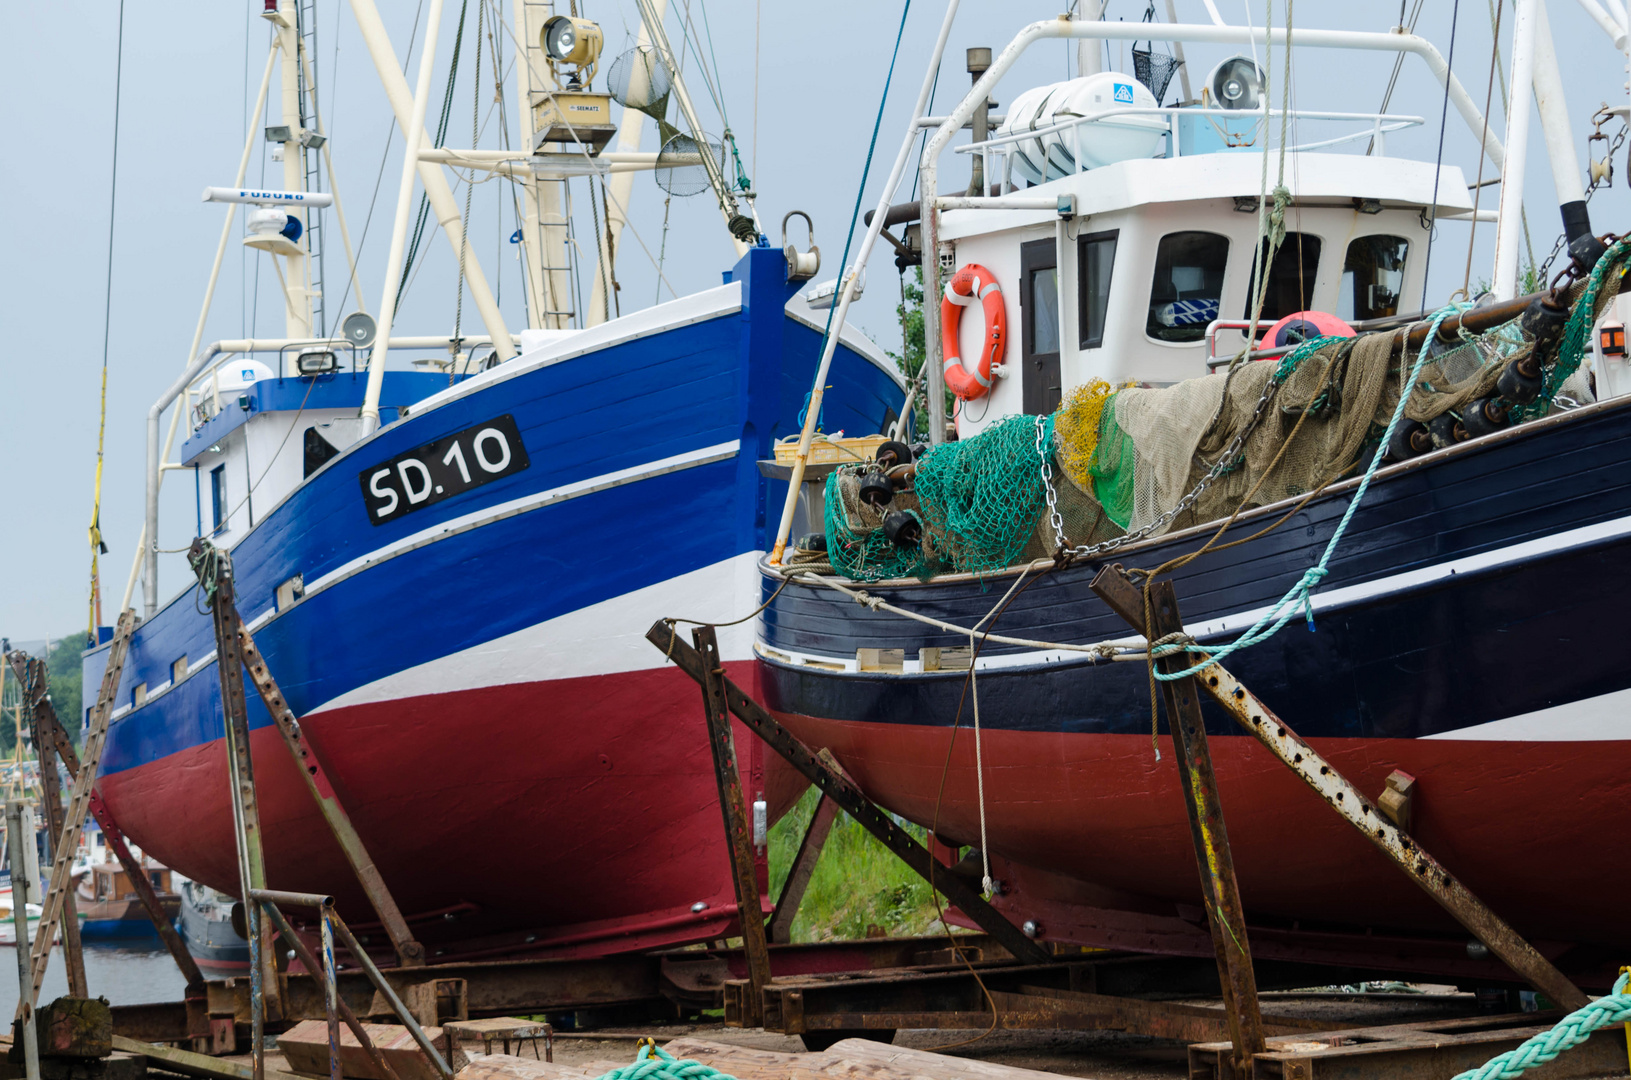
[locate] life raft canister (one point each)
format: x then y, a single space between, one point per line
972 284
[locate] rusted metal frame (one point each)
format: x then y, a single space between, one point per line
1160 1019
1214 859
853 802
32 678
265 989
303 953
803 868
738 830
49 731
410 953
274 897
1350 803
67 841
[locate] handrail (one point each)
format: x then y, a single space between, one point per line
928 169
1177 110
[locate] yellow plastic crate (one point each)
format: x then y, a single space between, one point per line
825 451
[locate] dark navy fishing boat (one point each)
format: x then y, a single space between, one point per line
1466 633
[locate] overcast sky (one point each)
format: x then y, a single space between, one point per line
800 84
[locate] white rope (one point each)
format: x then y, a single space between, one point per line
979 760
1125 648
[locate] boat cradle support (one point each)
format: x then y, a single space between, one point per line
843 791
233 639
1126 599
49 735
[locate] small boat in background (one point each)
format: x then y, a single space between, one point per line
206 925
108 905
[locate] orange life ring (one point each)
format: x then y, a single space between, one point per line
972 284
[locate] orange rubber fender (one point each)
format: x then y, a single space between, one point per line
970 285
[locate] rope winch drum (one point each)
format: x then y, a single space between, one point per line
970 285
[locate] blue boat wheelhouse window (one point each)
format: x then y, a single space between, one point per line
1095 258
1372 278
1188 285
218 496
1290 277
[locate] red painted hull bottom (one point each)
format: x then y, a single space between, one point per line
1090 838
576 817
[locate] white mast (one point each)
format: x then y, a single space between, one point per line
297 292
545 228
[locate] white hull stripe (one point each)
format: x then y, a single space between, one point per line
475 520
527 503
608 638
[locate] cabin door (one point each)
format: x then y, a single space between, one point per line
1039 319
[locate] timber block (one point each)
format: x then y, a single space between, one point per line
306 1047
116 1066
69 1028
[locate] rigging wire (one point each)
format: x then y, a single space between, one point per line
1478 188
98 547
469 193
1438 162
442 121
384 155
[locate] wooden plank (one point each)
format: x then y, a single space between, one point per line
306 1047
188 1063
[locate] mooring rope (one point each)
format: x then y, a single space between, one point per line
655 1063
1568 1033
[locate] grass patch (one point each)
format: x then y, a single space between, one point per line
858 883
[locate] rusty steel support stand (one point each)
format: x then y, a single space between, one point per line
32 678
67 842
409 952
852 801
1258 720
1221 892
803 868
214 569
310 962
48 731
738 829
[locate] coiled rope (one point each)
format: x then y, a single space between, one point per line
1568 1033
655 1063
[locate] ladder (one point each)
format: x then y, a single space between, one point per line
555 246
67 846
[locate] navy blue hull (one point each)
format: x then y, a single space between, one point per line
1470 633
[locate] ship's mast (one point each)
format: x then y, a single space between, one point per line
297 287
545 201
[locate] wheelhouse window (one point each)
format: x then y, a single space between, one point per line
1095 258
1188 285
1290 277
1372 278
218 496
1039 298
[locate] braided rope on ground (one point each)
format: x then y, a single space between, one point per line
1569 1032
655 1063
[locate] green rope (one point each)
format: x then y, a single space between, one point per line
655 1063
1570 1032
1576 333
1298 596
206 565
